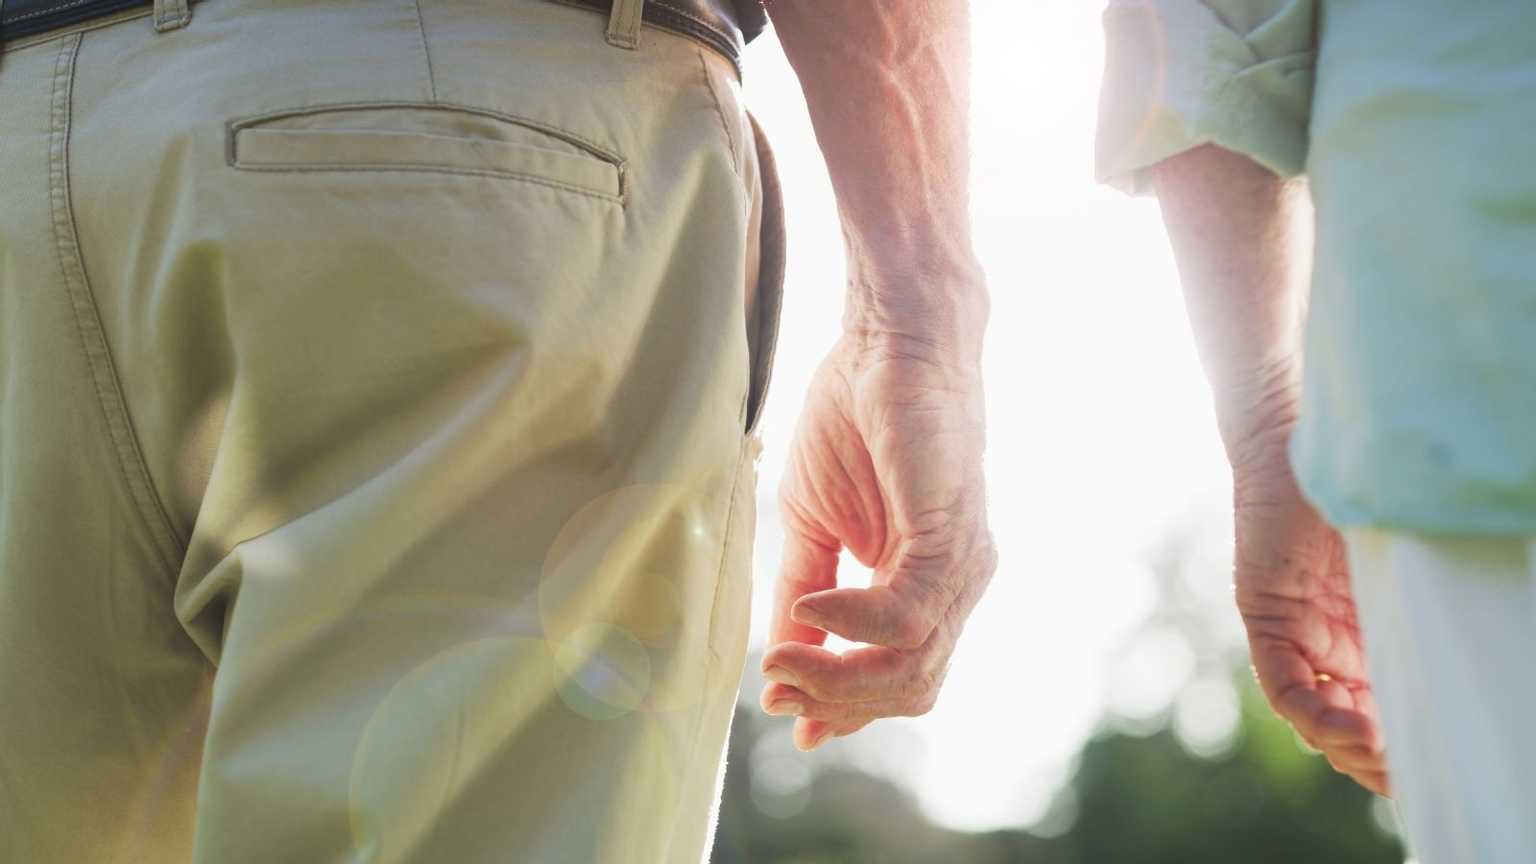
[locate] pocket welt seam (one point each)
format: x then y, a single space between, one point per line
400 168
306 149
599 153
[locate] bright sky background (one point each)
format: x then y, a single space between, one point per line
1101 439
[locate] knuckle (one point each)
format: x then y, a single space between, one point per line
922 685
928 586
921 705
920 681
909 631
911 684
929 681
818 687
836 712
941 521
913 619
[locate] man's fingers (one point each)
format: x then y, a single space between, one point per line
862 674
879 615
842 730
809 566
810 734
784 700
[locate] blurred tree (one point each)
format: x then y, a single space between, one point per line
1266 800
1137 800
1146 790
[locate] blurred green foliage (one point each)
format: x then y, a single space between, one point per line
1138 799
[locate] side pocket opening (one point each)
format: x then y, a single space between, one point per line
770 277
420 136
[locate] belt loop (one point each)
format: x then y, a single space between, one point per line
624 23
172 15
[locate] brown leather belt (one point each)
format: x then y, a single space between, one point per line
20 18
724 25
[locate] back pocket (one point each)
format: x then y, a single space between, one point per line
409 136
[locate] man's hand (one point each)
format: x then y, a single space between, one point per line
887 459
887 464
1292 584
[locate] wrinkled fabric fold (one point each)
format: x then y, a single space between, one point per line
1181 73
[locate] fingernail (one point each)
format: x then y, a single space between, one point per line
782 676
786 709
805 613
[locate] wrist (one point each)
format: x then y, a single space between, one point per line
1255 417
937 317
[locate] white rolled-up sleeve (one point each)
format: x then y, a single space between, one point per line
1182 73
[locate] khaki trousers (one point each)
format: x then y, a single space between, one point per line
376 463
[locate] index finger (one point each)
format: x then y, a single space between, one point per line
809 566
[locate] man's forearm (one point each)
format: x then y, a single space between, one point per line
887 85
1229 220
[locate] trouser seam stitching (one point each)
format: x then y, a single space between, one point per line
714 658
421 28
725 127
87 317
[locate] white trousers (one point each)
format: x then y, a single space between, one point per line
1450 639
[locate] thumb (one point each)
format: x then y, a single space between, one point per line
903 612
